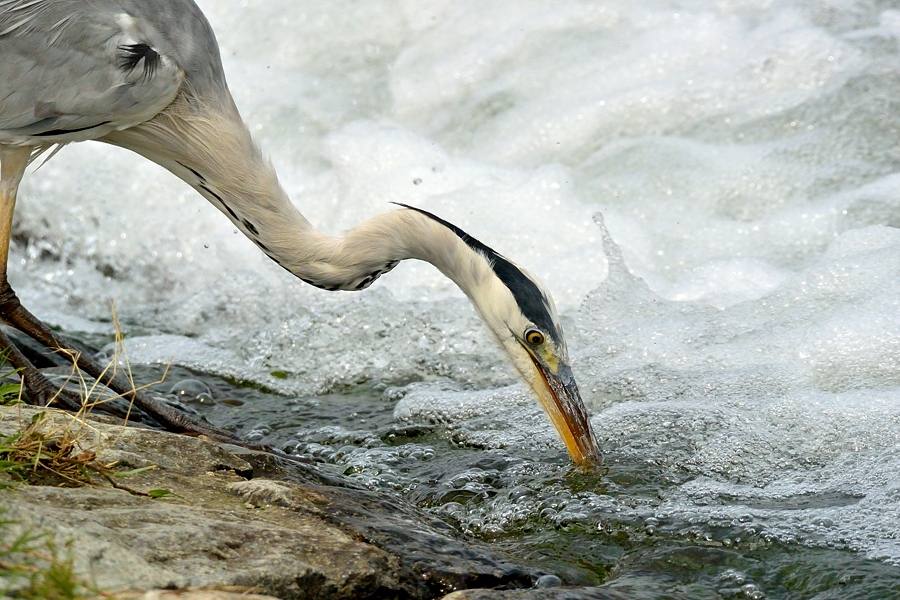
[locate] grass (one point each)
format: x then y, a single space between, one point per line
32 568
10 392
44 453
31 565
59 449
63 454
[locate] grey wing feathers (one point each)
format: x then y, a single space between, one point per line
73 70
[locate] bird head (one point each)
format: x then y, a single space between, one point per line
522 318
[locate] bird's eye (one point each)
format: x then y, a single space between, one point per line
534 337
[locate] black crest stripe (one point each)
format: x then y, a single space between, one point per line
528 296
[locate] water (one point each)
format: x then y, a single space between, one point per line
736 335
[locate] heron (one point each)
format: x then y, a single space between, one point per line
146 75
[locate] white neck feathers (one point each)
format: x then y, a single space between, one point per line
207 145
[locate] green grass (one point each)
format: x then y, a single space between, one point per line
32 567
45 453
10 391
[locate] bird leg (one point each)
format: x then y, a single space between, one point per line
13 162
172 419
40 391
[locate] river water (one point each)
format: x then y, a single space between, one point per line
709 187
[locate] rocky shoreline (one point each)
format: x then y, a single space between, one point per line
251 521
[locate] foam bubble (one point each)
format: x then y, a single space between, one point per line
742 330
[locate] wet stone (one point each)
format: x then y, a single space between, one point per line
244 518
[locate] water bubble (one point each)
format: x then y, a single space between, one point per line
257 432
454 510
752 592
732 577
520 494
547 581
192 390
290 446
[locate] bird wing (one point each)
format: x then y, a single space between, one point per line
74 70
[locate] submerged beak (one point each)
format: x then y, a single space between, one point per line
559 395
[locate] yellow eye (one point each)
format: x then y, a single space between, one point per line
534 337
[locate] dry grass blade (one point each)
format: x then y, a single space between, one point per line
93 393
45 453
57 448
61 448
49 453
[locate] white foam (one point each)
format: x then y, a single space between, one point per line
743 155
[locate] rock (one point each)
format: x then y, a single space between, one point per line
242 518
211 594
598 593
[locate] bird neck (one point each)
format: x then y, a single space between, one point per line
209 147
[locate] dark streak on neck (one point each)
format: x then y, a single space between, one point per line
531 300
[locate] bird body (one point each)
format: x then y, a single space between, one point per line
146 75
75 70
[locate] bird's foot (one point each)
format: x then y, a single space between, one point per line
38 391
41 391
175 420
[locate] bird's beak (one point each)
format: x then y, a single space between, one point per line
559 396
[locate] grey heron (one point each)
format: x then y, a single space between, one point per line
146 75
